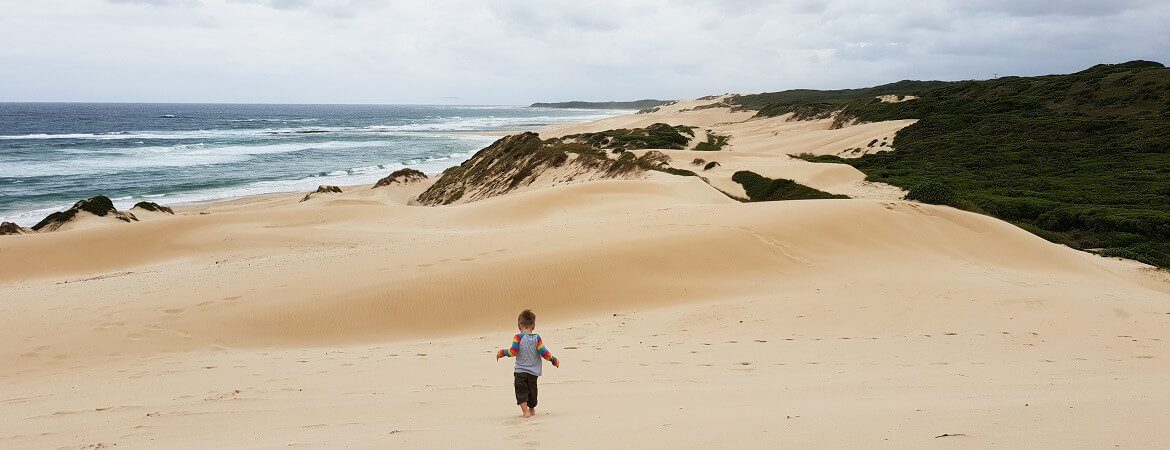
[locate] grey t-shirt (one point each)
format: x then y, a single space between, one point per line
527 358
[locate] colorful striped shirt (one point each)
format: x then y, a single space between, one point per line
528 349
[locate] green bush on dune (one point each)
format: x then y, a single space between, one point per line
763 189
714 142
518 160
659 135
932 192
1081 159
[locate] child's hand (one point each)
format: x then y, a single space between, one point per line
556 363
498 356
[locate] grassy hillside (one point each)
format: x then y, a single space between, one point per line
1081 159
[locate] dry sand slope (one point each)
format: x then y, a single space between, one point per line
683 319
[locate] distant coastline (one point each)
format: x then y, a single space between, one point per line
636 104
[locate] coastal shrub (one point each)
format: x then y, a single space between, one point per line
405 175
653 159
56 217
698 161
763 189
152 206
679 172
98 205
711 165
714 142
932 192
1082 159
9 228
659 135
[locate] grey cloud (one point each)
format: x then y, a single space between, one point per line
1032 8
157 2
518 51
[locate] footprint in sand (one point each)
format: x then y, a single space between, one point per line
174 311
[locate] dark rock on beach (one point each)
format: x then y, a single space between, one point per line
401 176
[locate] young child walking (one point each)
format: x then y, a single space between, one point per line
528 349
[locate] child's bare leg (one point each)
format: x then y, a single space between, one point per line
525 411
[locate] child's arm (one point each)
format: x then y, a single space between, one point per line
510 351
544 353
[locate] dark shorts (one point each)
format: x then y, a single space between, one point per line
526 389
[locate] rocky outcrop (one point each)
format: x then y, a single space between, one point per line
401 176
100 206
323 189
153 207
8 228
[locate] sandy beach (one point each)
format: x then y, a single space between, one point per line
684 318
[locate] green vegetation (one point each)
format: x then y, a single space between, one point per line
763 189
711 165
98 205
679 172
806 104
517 160
659 135
1081 159
152 206
934 193
715 142
56 217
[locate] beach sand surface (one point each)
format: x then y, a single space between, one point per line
683 318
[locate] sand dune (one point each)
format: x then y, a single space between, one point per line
684 319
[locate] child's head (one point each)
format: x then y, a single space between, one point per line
526 321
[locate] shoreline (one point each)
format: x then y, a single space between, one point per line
232 199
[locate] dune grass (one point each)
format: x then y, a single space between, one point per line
714 142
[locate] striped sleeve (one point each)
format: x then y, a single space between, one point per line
510 351
542 351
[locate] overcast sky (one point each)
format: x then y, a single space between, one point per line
520 51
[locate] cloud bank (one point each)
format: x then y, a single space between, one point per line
519 51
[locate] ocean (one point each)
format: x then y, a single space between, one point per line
53 154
